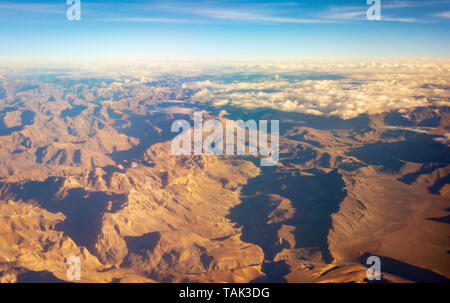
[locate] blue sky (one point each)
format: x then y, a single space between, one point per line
231 29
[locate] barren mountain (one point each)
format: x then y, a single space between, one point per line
86 169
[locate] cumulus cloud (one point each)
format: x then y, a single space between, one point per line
359 88
345 89
420 130
444 139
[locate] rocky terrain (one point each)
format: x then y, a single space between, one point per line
86 170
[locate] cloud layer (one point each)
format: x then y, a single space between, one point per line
352 89
344 89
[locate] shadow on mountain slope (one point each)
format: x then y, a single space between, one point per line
83 209
314 199
406 271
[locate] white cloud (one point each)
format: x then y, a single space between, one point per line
443 15
36 8
150 20
365 88
445 139
242 15
346 88
420 130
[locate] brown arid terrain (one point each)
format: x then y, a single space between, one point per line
86 170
